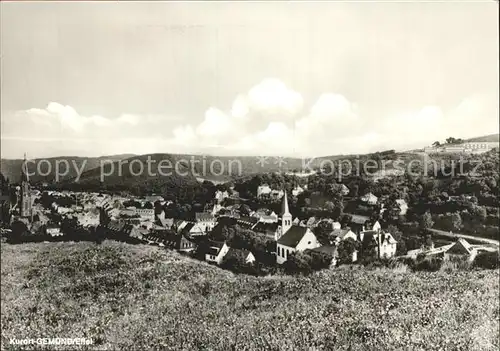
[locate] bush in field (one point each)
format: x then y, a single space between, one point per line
429 264
488 260
299 263
455 263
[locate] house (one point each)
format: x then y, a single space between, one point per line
191 229
297 191
344 190
269 229
292 238
128 212
89 218
247 222
216 252
221 195
116 229
328 221
160 215
179 242
263 189
157 237
460 248
146 214
271 218
63 210
261 212
153 198
375 226
370 199
343 234
277 194
403 206
239 254
385 244
311 222
357 223
165 222
54 230
205 220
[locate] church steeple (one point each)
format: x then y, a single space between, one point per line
284 205
25 209
286 216
24 170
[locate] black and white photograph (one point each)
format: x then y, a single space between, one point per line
250 175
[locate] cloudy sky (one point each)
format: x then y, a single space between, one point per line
90 79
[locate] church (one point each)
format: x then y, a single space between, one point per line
291 237
22 209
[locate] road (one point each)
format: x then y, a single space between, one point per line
467 237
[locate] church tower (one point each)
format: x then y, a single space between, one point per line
286 217
25 210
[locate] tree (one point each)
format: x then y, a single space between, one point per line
456 221
478 212
345 250
426 221
323 233
436 144
298 262
329 206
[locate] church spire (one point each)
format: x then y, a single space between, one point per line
286 217
24 170
284 205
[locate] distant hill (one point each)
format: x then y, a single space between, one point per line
486 138
126 174
214 168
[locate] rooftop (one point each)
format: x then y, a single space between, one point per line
293 236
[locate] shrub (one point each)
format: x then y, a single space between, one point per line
429 264
455 264
488 260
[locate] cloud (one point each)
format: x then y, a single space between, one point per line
272 95
269 119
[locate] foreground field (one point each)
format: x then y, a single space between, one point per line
140 297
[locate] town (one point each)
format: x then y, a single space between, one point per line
254 231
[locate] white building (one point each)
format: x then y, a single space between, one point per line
146 214
216 252
385 243
297 191
344 190
370 199
403 206
263 189
221 195
206 221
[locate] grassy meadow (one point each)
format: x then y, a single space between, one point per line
141 297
